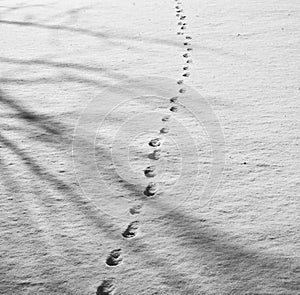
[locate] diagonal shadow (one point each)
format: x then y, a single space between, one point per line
54 80
43 121
218 51
63 65
92 214
92 33
238 264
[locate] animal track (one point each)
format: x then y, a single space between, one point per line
107 287
174 99
136 209
156 155
151 189
154 142
131 230
174 109
150 171
114 258
164 130
166 118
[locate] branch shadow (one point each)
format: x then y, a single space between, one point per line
91 213
237 264
43 121
63 65
117 37
91 33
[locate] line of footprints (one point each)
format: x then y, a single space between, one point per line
115 257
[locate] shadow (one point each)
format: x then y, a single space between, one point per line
107 226
54 80
20 7
48 80
94 34
33 165
109 38
207 245
72 13
43 121
62 65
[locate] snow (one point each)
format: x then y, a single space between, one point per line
65 199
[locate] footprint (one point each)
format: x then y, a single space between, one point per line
174 109
177 7
189 61
185 68
183 28
151 189
166 118
164 130
156 155
154 142
182 17
188 37
186 74
136 209
182 90
178 14
185 55
114 258
174 99
107 287
186 43
179 82
189 49
131 230
150 171
179 24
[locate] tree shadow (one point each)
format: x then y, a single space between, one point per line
208 245
116 38
43 121
62 65
103 222
237 264
109 38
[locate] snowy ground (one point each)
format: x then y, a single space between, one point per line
57 56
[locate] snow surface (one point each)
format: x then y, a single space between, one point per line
59 57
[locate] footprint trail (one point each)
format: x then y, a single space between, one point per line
115 257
